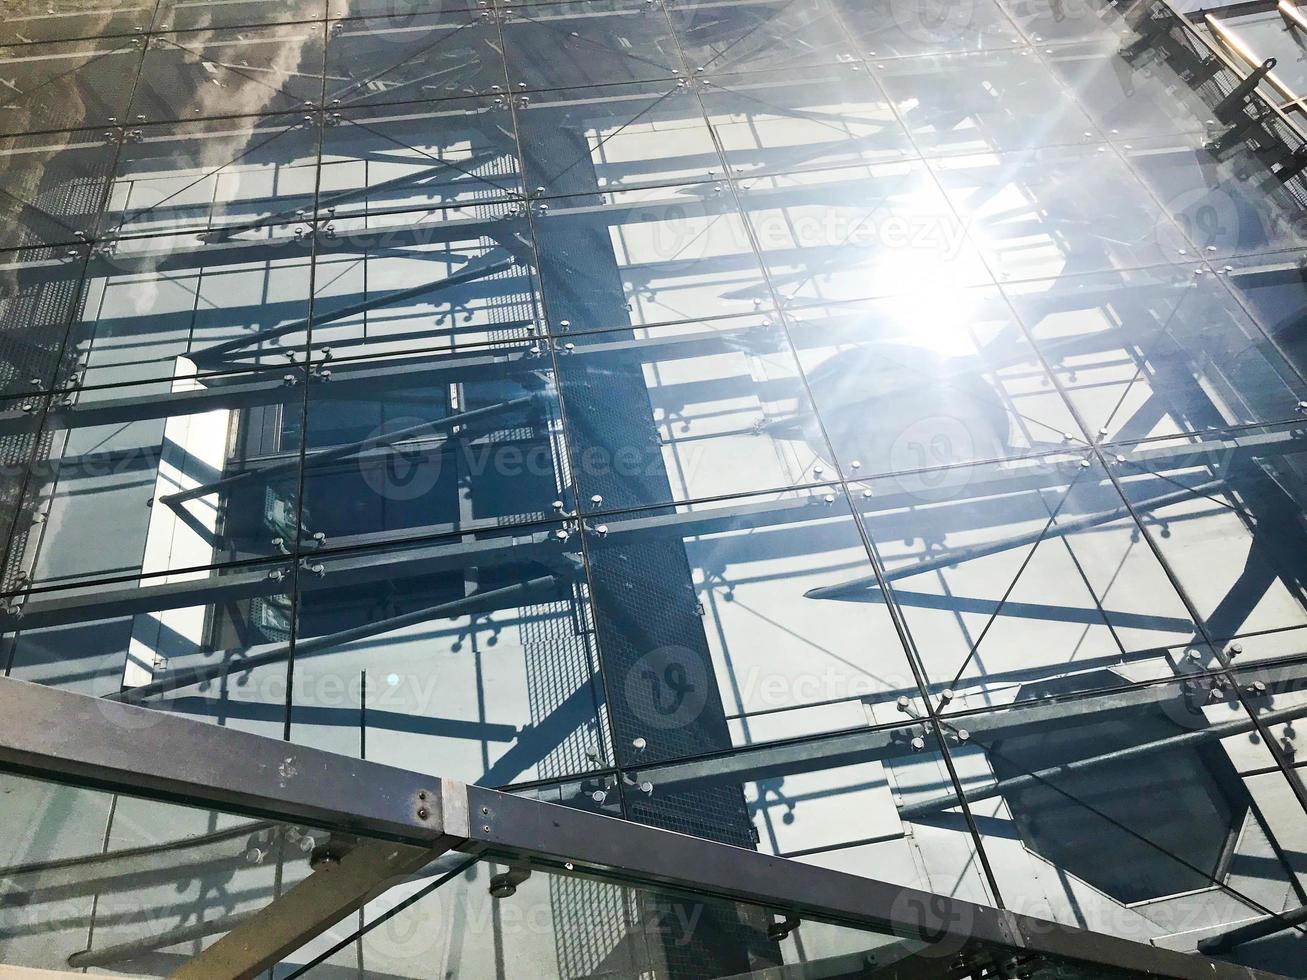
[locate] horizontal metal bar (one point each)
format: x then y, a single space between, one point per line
1180 741
55 735
1257 929
69 737
573 842
173 680
344 452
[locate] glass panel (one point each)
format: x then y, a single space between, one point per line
1006 90
238 175
184 15
209 646
859 232
415 156
67 84
1018 574
1066 796
168 307
469 658
1157 352
926 380
892 28
720 36
1225 511
1231 206
801 120
710 632
615 137
1123 100
802 806
431 444
432 280
54 186
503 916
724 411
1059 211
598 43
226 72
645 257
61 20
163 476
1273 290
1058 21
113 883
39 292
413 56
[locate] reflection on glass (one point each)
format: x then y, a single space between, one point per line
107 882
472 660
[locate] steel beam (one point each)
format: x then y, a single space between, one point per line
70 738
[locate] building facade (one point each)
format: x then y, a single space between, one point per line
866 432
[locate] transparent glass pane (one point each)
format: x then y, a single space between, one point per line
405 56
723 411
184 15
712 632
113 883
61 20
39 292
563 45
423 280
166 307
892 29
208 646
1058 21
1157 352
163 476
452 152
54 187
644 257
431 444
1225 511
1229 206
616 137
1058 211
227 178
926 380
1013 575
1072 785
799 808
1125 100
229 71
67 84
721 36
859 232
1006 90
803 119
468 658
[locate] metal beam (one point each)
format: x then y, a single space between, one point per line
69 737
54 735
